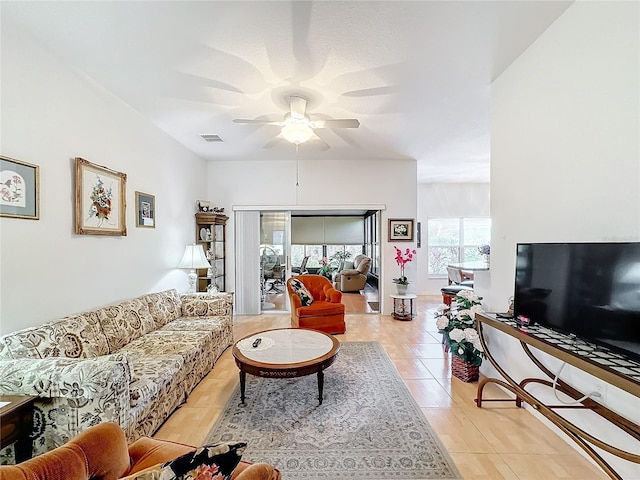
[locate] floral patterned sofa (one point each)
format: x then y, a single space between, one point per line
132 363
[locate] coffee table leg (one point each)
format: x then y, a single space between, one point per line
243 382
320 385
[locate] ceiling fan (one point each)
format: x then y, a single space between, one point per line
297 127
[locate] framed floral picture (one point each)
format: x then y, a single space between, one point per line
20 189
401 230
145 210
100 200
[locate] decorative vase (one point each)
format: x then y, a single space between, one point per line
402 289
465 371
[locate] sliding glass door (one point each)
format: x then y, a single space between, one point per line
274 260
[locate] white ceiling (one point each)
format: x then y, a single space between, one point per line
416 74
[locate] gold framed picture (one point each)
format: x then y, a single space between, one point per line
401 230
100 200
19 189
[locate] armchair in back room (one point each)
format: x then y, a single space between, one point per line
353 278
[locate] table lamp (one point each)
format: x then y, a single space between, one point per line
192 259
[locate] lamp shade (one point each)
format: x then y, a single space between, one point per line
297 132
194 258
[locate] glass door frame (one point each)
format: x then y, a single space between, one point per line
275 242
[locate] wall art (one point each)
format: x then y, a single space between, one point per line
100 200
145 210
401 230
19 189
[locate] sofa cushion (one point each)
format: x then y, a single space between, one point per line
151 375
204 305
165 342
78 336
198 324
164 306
124 322
194 347
299 289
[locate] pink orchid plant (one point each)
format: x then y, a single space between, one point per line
402 259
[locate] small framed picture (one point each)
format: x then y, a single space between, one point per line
145 210
401 230
20 189
100 200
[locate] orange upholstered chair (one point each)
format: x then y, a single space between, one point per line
326 313
101 453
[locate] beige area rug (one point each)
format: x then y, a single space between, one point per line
368 427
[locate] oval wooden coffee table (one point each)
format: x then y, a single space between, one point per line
285 353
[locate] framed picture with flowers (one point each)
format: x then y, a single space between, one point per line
20 189
401 229
100 200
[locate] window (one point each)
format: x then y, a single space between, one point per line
454 240
317 252
314 252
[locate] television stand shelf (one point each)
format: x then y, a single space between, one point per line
601 362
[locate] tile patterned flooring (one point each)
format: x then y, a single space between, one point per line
498 441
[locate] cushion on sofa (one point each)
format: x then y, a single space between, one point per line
201 306
299 289
191 346
164 306
125 322
151 375
208 324
78 336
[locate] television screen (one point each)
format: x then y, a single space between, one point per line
591 290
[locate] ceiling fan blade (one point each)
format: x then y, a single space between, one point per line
274 142
337 123
298 107
319 142
260 122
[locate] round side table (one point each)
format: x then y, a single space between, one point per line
402 311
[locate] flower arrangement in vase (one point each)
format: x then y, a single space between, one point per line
325 267
402 259
485 251
458 325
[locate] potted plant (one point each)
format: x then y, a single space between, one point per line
485 251
402 259
457 324
340 258
325 267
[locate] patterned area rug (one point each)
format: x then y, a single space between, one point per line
368 426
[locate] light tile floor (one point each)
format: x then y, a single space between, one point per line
498 441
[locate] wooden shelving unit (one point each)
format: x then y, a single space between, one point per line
211 234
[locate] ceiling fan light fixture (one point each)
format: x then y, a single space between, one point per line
297 133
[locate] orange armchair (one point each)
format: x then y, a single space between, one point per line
101 453
326 313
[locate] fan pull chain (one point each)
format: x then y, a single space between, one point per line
297 146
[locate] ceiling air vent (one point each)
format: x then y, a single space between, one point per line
209 137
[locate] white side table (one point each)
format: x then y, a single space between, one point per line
402 311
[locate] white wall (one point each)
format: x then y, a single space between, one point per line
50 115
566 162
446 200
327 182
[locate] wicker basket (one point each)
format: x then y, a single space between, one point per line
467 372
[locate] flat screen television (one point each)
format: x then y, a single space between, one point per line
591 290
